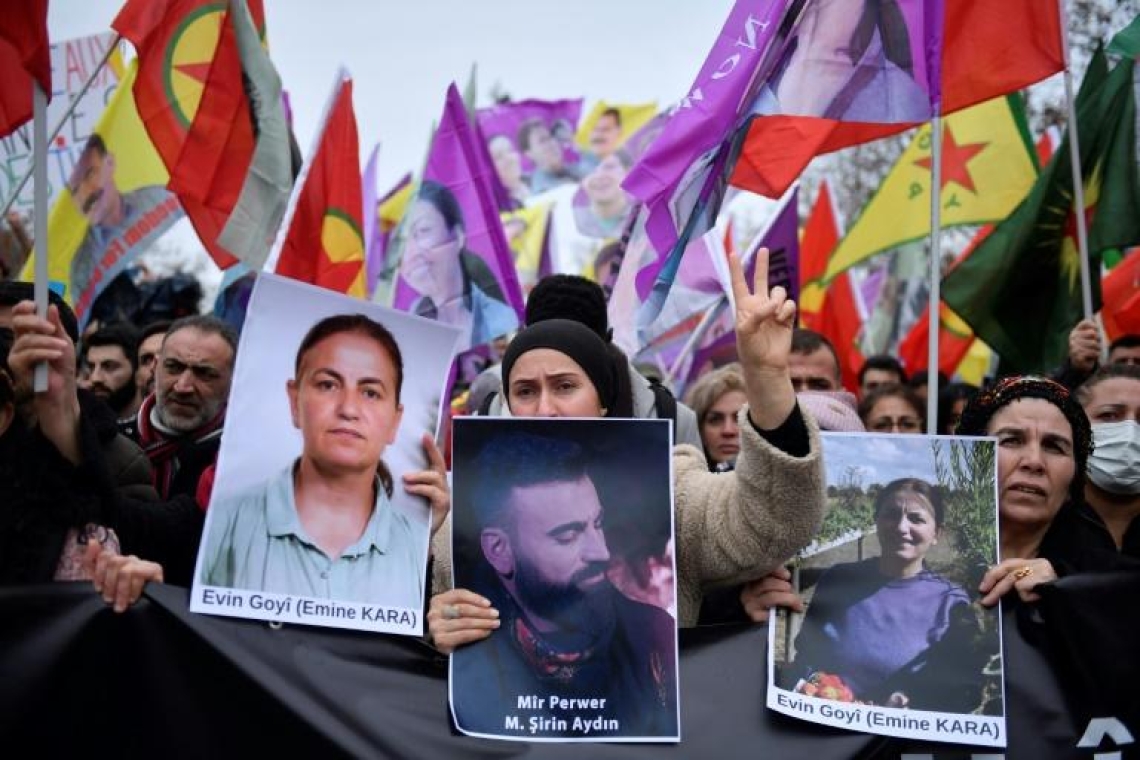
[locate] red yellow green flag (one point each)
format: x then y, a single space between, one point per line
324 242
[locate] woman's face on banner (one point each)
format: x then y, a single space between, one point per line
508 162
344 402
906 527
603 185
432 251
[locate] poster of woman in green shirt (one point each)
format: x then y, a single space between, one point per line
320 536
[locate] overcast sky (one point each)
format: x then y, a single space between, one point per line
403 55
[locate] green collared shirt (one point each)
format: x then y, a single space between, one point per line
257 542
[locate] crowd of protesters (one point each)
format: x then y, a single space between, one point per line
107 475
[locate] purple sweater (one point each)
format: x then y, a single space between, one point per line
867 628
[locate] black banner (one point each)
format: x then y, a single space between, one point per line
160 681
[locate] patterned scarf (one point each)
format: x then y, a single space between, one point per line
162 448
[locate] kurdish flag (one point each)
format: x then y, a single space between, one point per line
988 166
322 238
1020 290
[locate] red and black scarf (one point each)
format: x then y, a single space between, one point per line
162 449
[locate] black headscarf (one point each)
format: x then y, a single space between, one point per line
583 345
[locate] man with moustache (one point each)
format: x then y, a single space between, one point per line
111 356
180 425
110 214
564 631
150 343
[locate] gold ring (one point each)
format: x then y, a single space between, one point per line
450 612
1023 572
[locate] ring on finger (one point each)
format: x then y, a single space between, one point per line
1022 573
450 612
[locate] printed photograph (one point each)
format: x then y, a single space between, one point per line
578 558
892 622
331 400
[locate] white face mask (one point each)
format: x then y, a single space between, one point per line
1115 462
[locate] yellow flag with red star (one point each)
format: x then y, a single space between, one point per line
323 242
988 167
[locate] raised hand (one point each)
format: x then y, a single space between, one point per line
764 323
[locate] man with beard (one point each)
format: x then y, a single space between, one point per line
180 425
150 343
111 356
565 632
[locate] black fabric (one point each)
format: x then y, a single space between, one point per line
578 342
791 437
159 681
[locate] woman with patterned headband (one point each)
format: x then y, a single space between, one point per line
1044 442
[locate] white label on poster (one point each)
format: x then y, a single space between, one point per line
287 608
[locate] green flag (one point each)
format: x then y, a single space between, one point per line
1021 289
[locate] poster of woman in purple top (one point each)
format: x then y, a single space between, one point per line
890 640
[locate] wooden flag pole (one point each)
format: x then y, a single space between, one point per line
1078 176
40 193
935 273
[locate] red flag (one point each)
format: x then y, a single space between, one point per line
190 96
841 322
1120 293
325 242
25 57
820 236
985 49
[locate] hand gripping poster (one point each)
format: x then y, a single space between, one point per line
333 408
892 639
576 555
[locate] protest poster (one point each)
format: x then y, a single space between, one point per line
309 520
73 63
893 640
577 557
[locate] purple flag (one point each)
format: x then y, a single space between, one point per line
689 158
457 266
531 144
698 305
372 243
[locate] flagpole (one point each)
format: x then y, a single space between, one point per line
1078 176
62 120
40 194
935 272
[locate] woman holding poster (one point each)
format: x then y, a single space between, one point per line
455 285
875 629
325 527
